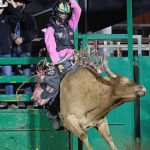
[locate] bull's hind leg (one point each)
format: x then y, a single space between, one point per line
71 123
103 129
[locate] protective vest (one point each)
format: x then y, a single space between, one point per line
64 36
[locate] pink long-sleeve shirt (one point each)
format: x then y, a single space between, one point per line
50 39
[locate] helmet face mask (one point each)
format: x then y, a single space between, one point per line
62 17
62 11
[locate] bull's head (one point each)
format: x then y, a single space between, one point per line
123 88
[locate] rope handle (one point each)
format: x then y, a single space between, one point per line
19 96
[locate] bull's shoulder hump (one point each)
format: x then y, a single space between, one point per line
84 70
92 71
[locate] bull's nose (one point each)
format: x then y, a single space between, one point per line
143 89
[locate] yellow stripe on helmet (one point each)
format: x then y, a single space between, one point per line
64 8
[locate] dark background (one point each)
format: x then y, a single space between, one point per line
99 13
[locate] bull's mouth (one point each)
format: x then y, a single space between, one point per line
129 98
141 93
132 97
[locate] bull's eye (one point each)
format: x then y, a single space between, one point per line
123 81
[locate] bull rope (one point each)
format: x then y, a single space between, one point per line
92 59
18 96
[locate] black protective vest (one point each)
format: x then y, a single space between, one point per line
64 36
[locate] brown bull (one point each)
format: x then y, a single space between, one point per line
86 98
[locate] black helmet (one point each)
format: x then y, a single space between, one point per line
62 7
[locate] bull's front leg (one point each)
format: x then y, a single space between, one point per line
103 129
71 123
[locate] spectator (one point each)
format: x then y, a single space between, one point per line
25 31
5 37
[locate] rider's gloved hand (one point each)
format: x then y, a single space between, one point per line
61 68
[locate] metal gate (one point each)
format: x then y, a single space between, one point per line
144 72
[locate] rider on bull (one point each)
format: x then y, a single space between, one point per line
59 40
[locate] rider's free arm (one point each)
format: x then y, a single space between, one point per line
73 22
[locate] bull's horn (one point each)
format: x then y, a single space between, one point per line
107 70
